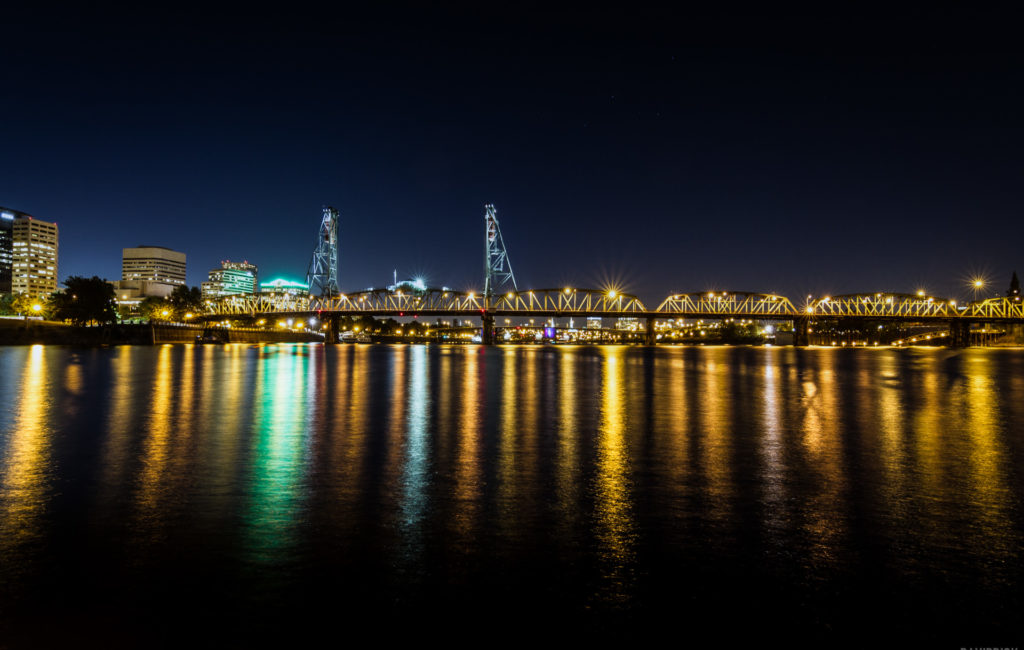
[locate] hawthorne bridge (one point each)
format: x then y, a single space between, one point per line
501 298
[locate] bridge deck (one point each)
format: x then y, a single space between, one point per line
581 303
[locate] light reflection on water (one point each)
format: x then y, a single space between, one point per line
277 441
568 479
468 488
614 519
27 475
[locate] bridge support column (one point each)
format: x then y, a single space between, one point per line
1015 333
651 338
801 336
333 323
960 334
487 333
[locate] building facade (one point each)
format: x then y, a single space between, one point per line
231 279
285 294
6 248
148 271
33 254
129 293
153 264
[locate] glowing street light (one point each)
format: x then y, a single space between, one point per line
977 284
36 307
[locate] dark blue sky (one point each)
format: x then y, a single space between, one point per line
662 151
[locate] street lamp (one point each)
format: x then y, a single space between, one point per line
977 285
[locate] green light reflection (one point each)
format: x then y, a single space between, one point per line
277 453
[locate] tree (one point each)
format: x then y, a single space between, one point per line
365 324
186 302
7 304
154 308
84 301
27 305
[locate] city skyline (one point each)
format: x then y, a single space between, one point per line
638 321
797 154
978 283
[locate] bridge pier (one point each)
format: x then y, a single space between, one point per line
487 332
960 334
333 323
651 338
801 337
1015 333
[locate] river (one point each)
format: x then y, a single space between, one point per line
150 492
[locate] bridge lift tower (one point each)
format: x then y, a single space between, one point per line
323 267
495 256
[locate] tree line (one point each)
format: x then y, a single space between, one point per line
92 301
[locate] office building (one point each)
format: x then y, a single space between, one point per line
285 294
33 254
148 271
153 264
6 248
231 279
129 293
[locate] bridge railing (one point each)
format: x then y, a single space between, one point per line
257 304
385 301
996 308
567 300
885 305
570 301
732 303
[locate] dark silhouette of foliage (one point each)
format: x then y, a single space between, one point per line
84 301
154 308
186 302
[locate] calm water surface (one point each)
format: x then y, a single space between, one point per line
765 492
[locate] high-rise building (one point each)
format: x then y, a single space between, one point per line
6 248
153 264
33 254
148 271
231 279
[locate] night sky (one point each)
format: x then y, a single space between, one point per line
660 152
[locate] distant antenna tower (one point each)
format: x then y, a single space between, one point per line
495 255
323 268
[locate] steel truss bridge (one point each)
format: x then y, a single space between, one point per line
581 303
577 302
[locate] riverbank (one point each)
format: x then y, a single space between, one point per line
30 332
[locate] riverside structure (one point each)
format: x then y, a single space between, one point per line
502 298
